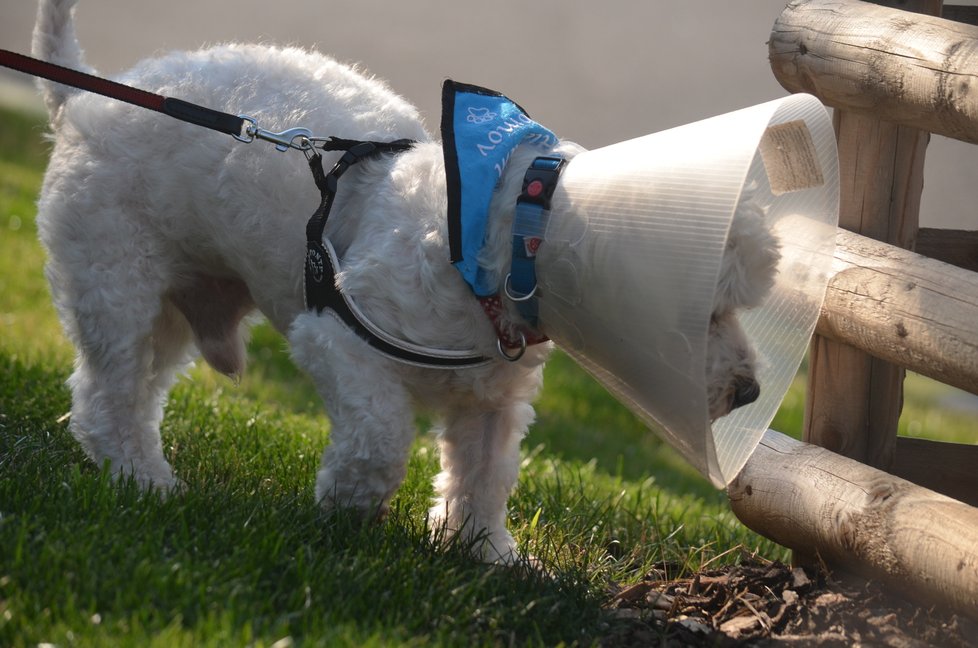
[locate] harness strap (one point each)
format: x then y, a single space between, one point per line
520 287
321 266
529 227
318 289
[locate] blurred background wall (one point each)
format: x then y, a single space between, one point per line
594 72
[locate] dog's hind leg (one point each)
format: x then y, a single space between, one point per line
119 387
370 410
107 280
480 460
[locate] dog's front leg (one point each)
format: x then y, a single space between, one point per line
370 411
480 459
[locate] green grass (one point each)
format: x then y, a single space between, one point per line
244 557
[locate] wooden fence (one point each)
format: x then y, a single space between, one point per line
897 509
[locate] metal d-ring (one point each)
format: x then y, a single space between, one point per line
515 298
519 353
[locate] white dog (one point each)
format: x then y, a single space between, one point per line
162 237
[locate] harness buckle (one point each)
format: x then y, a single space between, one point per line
540 180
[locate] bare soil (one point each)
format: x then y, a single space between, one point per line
761 603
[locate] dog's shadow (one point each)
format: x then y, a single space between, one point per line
258 552
577 418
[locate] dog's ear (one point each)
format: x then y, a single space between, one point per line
750 261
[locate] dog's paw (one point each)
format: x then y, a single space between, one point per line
154 478
506 554
495 546
332 498
511 557
173 488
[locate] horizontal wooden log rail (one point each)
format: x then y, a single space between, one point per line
819 503
918 313
906 68
904 308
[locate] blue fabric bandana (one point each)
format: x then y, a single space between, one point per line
480 128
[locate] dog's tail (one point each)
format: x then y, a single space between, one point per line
55 41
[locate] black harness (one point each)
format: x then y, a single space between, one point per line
321 264
321 292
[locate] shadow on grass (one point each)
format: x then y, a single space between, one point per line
577 420
243 553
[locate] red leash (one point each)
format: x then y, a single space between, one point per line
176 108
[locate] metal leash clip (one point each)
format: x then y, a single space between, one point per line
283 141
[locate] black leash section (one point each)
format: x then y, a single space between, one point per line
176 108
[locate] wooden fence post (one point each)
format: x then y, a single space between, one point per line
854 400
891 305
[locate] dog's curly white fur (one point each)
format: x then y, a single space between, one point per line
162 237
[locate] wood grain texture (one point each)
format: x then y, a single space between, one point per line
854 399
852 515
901 307
902 67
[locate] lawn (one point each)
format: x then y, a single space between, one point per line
244 557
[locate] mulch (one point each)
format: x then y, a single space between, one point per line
762 603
